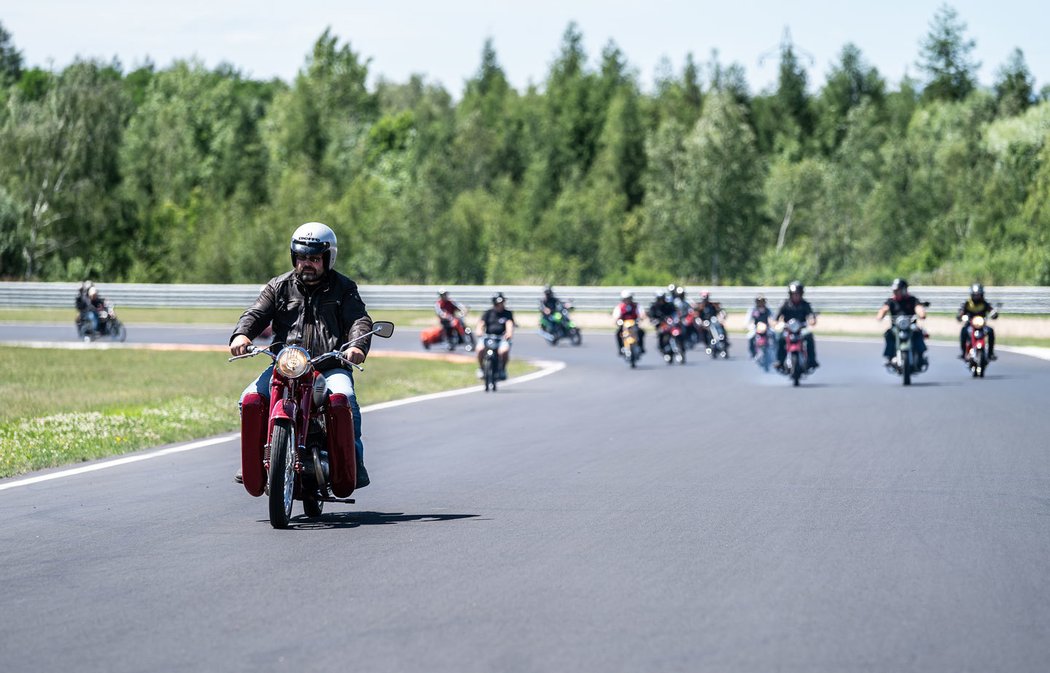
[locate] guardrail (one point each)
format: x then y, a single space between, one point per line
1030 300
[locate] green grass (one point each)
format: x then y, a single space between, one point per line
65 406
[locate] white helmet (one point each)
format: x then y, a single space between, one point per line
626 294
314 238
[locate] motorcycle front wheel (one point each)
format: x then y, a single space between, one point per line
906 360
282 474
796 368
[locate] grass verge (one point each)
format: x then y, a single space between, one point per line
67 406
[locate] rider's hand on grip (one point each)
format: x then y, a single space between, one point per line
240 345
354 354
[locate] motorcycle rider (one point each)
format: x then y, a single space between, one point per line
977 306
447 311
902 303
315 306
661 309
796 308
549 305
499 321
628 309
705 310
88 304
758 313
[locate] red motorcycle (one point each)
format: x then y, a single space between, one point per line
672 340
796 362
461 335
300 446
977 345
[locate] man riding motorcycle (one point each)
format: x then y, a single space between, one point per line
759 313
89 303
796 308
447 311
317 307
902 303
977 306
705 310
499 321
660 310
628 309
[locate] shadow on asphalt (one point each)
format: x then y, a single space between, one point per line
336 520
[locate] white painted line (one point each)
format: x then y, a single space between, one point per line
546 368
118 461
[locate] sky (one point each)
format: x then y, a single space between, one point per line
443 39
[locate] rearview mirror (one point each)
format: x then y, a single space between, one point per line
383 328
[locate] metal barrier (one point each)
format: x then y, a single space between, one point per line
1030 300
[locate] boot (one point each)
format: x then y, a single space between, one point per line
362 475
239 477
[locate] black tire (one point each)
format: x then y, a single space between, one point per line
118 331
576 338
634 356
907 367
469 345
491 373
796 368
282 474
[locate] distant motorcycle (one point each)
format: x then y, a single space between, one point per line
302 446
491 367
629 335
560 325
717 342
977 345
906 362
461 335
109 326
765 346
796 361
672 340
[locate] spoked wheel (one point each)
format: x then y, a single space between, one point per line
282 474
313 507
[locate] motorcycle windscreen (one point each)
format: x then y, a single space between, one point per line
342 456
254 412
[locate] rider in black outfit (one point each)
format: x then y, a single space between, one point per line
796 308
902 303
659 310
499 321
974 306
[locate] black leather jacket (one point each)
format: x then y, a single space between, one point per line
321 318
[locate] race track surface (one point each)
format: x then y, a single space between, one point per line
705 517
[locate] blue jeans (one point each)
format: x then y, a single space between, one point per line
340 382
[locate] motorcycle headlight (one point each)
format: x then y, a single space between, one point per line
293 362
978 321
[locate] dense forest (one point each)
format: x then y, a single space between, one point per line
186 174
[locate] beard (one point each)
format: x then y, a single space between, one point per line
308 275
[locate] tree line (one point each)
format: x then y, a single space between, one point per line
189 174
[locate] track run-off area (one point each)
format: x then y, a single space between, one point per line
705 517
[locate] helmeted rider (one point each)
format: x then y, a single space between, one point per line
705 310
498 321
549 305
759 313
315 306
661 309
900 303
796 308
976 305
628 309
89 303
447 311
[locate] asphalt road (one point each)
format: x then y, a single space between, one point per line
705 517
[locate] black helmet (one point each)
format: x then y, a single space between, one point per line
548 290
899 284
660 296
976 290
796 286
679 292
498 298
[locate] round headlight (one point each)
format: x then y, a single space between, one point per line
293 362
978 321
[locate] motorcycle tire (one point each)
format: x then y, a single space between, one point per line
906 359
118 332
982 364
634 357
576 338
490 375
469 345
796 369
282 473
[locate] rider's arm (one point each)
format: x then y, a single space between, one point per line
883 310
355 316
254 320
920 311
509 334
